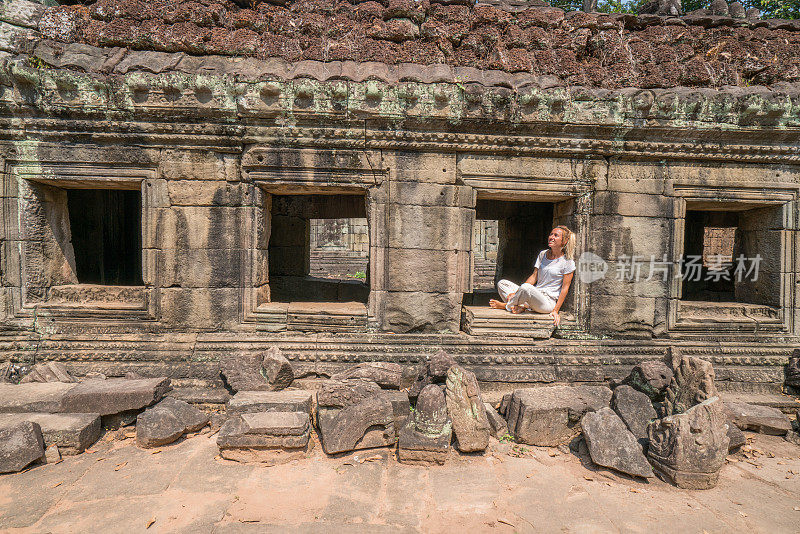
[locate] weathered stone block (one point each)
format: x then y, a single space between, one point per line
761 419
419 312
549 416
114 395
270 401
635 410
71 432
20 445
268 437
277 369
45 397
343 393
612 445
689 448
466 410
422 270
158 426
651 378
425 439
266 371
192 418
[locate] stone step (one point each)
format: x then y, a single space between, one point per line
486 321
71 432
269 437
114 395
327 317
201 395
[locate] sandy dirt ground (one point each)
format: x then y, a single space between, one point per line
187 487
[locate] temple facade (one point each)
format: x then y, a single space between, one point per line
161 206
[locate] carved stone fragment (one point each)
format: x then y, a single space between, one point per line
425 439
692 384
689 448
612 445
466 410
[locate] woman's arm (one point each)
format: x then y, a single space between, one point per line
564 290
532 278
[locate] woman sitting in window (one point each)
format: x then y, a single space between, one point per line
545 290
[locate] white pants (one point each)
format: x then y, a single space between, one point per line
525 295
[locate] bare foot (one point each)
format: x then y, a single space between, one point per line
497 305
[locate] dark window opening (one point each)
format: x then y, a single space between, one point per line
318 249
106 232
511 235
732 256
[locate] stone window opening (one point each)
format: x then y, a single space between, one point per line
731 268
82 246
300 230
106 230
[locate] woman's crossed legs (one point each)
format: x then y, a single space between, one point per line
521 297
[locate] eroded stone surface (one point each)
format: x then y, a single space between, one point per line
612 445
466 410
20 445
192 418
243 371
365 425
496 422
114 395
689 448
549 416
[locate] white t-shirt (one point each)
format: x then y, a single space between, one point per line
551 273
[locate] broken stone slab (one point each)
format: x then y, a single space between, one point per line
761 419
612 445
277 369
549 416
20 445
387 375
425 439
466 410
48 372
651 378
192 418
496 422
692 383
689 448
635 409
34 397
114 395
793 436
270 401
268 437
365 425
158 426
73 433
505 402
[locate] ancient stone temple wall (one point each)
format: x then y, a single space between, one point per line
228 161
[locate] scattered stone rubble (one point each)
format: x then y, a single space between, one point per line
370 406
48 372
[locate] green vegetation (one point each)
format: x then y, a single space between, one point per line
770 9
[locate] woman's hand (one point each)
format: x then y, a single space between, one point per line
556 317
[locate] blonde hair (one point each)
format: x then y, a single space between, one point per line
568 237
